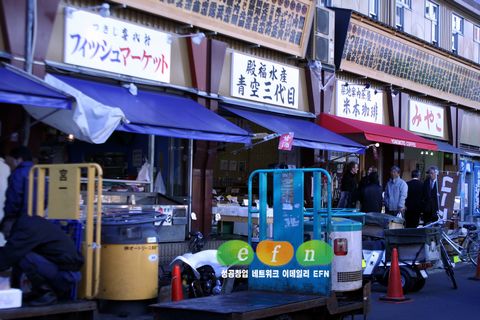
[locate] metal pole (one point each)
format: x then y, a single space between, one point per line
29 49
190 183
151 159
29 36
171 166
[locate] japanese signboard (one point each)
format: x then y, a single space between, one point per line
111 45
427 119
447 189
476 191
411 63
285 141
359 102
283 25
264 81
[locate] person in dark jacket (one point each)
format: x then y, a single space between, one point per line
414 201
348 185
45 254
371 195
430 196
16 202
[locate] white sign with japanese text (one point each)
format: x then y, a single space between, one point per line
426 118
264 81
359 102
111 45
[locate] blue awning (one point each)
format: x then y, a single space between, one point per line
445 147
19 87
306 134
161 114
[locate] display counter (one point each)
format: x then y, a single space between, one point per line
239 216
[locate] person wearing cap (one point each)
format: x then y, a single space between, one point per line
395 193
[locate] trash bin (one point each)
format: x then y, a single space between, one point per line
129 256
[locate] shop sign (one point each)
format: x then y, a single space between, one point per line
111 45
447 190
286 141
359 102
282 25
476 190
264 81
426 118
408 64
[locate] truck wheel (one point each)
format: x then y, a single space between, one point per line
405 278
418 283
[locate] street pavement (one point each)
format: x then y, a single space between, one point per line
436 301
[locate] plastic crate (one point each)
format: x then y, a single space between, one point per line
413 244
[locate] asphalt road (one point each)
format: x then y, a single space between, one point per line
436 301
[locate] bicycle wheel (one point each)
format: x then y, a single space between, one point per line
473 247
447 264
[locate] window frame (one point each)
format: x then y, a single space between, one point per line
373 14
455 42
478 28
462 23
402 17
435 22
404 3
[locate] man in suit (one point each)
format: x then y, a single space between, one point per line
430 196
414 200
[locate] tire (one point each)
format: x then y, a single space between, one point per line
472 251
418 283
447 264
405 278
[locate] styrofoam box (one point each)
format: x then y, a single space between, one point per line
11 298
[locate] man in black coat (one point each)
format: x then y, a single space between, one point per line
414 200
371 194
430 196
45 254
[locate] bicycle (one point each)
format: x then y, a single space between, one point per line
467 245
466 250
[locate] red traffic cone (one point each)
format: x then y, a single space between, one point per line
395 290
177 288
477 272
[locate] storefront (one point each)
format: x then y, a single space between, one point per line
268 99
470 164
359 112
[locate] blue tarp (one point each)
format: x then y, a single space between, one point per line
19 87
161 114
445 147
306 134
